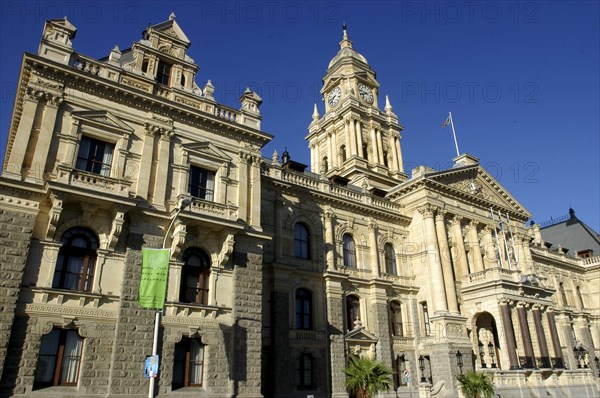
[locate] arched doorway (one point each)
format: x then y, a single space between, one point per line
486 343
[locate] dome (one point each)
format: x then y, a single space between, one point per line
346 51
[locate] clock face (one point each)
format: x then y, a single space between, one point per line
365 93
334 96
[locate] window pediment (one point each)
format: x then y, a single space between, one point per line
103 120
206 150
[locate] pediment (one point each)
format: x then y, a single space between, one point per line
208 150
102 118
360 335
478 184
172 29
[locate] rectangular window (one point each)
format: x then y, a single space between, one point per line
304 376
188 363
202 183
426 318
59 359
95 156
163 73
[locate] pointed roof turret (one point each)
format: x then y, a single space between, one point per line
388 106
346 50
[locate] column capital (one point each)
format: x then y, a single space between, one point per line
456 220
427 210
53 100
440 214
506 301
329 214
523 304
372 225
538 307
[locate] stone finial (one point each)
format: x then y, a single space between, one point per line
315 115
172 16
209 90
345 43
275 157
115 55
388 106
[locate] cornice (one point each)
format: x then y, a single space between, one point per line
126 95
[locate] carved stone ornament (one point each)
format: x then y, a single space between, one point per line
226 250
56 200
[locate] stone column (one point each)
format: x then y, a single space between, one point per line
539 330
526 335
560 361
359 141
374 252
379 146
352 136
375 153
475 248
329 239
38 164
509 333
438 292
394 165
162 170
460 252
349 144
399 150
19 146
490 258
337 352
444 249
143 180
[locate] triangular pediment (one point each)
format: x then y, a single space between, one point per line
172 29
102 118
476 183
360 335
208 150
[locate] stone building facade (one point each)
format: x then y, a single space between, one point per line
277 274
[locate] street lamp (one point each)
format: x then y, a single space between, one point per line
481 354
459 361
184 203
422 367
491 352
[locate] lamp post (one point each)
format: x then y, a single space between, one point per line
491 352
459 361
481 354
184 203
422 368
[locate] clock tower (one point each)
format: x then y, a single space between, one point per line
354 140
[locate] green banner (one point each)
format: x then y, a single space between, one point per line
153 281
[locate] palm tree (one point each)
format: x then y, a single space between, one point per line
476 385
366 377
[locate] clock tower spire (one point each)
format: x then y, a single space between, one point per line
354 140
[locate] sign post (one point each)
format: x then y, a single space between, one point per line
406 379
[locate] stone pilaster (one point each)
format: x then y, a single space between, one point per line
374 254
38 164
143 180
329 239
490 254
255 192
459 247
244 186
163 169
335 332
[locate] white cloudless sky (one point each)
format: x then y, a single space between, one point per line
520 77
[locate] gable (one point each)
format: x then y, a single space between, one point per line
172 29
475 183
360 335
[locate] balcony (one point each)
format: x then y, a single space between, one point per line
493 275
95 183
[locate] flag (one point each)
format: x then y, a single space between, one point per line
153 280
447 122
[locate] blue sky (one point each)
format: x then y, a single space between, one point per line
520 77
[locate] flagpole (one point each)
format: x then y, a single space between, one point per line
184 203
505 242
454 135
512 238
497 241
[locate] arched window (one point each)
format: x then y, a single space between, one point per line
195 274
76 260
301 241
303 309
352 311
396 319
390 259
182 80
349 251
324 165
563 294
343 153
